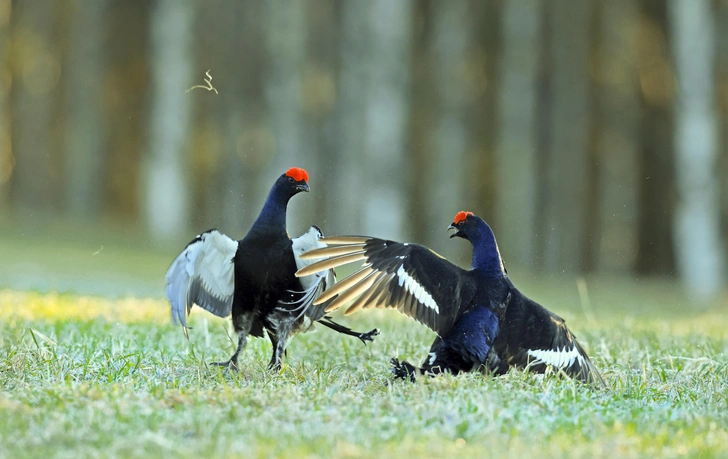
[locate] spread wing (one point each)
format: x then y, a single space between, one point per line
313 284
203 274
408 277
537 338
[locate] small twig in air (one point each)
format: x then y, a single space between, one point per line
98 251
209 86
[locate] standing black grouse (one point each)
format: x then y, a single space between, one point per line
253 279
481 319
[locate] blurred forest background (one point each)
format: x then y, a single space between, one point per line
591 134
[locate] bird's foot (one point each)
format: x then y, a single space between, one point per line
275 367
368 336
403 369
230 365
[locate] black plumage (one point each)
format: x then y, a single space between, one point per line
482 321
253 279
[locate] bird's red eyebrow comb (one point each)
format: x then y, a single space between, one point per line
460 216
297 174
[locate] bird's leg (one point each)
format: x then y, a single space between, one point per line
242 323
368 336
283 325
404 370
364 337
494 364
440 359
274 341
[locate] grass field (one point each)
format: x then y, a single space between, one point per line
84 376
100 376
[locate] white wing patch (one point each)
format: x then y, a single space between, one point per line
411 285
560 358
216 265
203 274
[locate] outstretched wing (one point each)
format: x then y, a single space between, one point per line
315 283
536 338
408 277
203 274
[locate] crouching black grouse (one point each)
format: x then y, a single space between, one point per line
481 319
253 279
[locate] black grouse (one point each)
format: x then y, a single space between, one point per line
482 321
254 278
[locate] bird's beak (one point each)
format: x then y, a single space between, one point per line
451 227
302 187
457 232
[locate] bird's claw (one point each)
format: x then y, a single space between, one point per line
368 336
275 367
230 365
403 369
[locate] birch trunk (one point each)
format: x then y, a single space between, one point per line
165 187
699 248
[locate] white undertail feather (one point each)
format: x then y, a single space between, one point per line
307 242
560 358
304 302
432 356
311 283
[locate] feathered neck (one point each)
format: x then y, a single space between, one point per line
486 256
272 217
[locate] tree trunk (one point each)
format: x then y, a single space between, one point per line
286 41
613 225
451 42
516 151
36 74
423 117
85 66
318 100
351 183
484 57
6 154
127 88
656 191
166 191
721 17
697 238
567 149
247 142
386 115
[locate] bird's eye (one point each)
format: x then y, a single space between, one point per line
290 179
